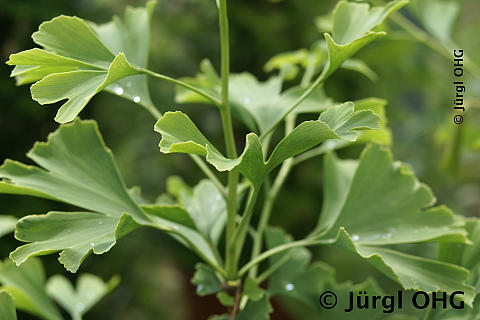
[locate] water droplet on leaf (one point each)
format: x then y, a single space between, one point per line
246 100
355 237
290 287
92 244
118 90
136 99
80 307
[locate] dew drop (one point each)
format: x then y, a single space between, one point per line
246 100
129 84
100 222
355 237
118 90
136 99
290 287
80 306
92 244
175 228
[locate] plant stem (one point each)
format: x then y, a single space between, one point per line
278 249
236 306
270 199
182 84
230 264
209 173
429 41
239 236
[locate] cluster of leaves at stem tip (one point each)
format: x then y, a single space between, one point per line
370 205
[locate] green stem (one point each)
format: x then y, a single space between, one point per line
230 264
319 151
182 84
209 173
319 81
274 267
270 200
267 254
431 42
238 238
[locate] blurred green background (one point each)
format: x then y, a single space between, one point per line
155 269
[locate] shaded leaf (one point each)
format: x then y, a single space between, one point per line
379 202
26 284
7 307
206 280
252 290
177 221
77 301
438 17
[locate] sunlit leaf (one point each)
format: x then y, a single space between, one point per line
26 284
7 224
77 301
179 134
80 59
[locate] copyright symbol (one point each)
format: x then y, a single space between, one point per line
328 300
458 119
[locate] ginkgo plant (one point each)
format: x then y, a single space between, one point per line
371 205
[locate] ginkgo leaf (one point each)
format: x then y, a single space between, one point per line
177 221
207 208
26 284
7 224
438 17
80 59
78 169
355 218
354 204
7 307
263 101
77 301
75 234
79 86
179 134
206 280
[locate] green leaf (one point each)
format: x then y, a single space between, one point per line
352 20
179 134
252 290
75 234
90 290
379 202
206 280
80 59
438 17
207 208
26 284
383 135
382 188
352 25
177 221
254 310
7 224
78 169
297 279
78 87
7 307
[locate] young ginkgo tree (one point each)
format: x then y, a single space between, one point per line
370 205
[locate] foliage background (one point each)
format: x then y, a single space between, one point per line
155 269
